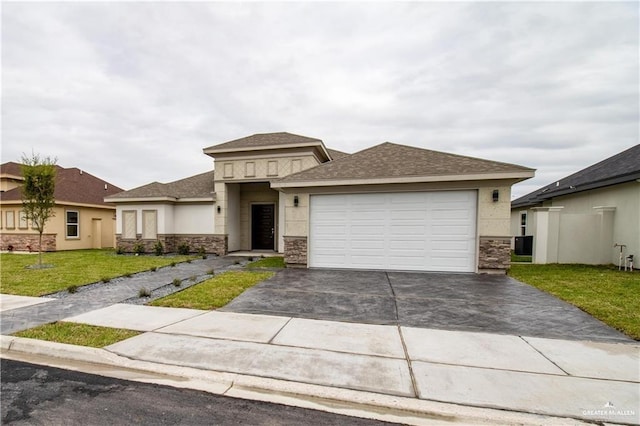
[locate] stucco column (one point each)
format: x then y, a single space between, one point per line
546 234
606 254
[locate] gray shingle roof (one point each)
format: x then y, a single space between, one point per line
264 139
622 167
198 186
389 160
335 154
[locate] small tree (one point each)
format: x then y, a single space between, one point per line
38 190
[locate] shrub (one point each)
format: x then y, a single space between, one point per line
184 248
143 292
138 248
119 250
158 249
177 282
72 288
202 252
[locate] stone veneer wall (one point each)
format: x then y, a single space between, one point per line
216 244
295 252
21 241
494 254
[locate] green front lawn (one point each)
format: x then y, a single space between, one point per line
215 292
78 334
610 295
75 267
268 262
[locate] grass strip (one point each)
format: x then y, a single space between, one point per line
268 262
77 334
215 292
73 267
609 295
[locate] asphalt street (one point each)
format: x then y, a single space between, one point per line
39 395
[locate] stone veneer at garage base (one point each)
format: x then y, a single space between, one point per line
494 254
214 244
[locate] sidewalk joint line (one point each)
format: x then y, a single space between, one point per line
279 330
414 384
544 356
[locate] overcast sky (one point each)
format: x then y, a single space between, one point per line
132 92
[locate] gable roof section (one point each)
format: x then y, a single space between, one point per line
72 186
268 141
11 169
193 188
393 163
620 168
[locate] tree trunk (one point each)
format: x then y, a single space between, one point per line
40 250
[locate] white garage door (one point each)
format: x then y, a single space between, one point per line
417 231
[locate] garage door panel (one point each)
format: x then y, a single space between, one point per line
423 231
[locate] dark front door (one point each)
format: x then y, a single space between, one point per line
262 226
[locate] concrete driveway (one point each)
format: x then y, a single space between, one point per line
468 302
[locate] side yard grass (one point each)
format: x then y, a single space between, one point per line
215 292
78 334
610 295
76 267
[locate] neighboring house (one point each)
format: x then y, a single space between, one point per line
390 207
82 219
580 218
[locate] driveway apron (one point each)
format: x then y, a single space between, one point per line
448 301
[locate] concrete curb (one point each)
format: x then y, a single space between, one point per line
336 400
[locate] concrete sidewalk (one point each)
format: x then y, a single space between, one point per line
413 366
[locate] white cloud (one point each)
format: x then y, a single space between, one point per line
132 92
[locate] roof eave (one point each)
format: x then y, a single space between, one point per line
196 199
518 176
213 150
139 199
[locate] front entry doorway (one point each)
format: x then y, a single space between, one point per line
263 226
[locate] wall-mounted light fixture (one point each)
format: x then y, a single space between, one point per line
296 201
496 195
219 209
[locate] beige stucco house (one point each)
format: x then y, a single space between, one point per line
580 218
82 219
391 206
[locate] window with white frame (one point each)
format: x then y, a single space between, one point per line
129 224
73 223
523 223
149 224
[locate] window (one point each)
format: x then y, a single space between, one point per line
10 222
523 223
22 220
149 224
129 224
73 224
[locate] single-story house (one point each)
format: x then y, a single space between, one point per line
82 219
391 206
580 218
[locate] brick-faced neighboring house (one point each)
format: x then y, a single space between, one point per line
386 207
82 219
579 218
